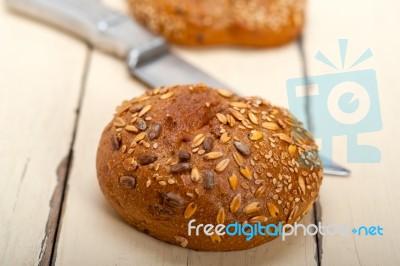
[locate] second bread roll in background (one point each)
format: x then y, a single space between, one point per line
259 23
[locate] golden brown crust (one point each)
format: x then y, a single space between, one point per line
243 22
191 152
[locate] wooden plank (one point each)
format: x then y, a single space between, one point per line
93 234
40 75
369 197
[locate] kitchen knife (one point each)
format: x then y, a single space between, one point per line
148 56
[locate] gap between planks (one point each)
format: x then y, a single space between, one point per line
48 248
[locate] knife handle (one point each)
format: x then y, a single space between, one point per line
99 26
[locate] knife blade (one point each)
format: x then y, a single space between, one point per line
148 56
159 67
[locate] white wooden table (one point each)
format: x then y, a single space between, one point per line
57 94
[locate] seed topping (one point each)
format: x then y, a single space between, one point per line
222 118
139 137
144 110
155 130
166 95
195 174
131 128
225 137
253 118
302 184
256 219
260 191
236 114
119 122
141 124
208 178
270 125
221 216
146 159
130 164
128 181
283 137
184 156
222 165
233 182
235 203
183 241
225 93
231 120
173 200
180 168
238 158
136 108
242 148
213 155
245 171
255 135
190 210
208 143
239 104
198 140
252 207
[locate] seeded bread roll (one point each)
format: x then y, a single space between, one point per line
242 22
192 152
